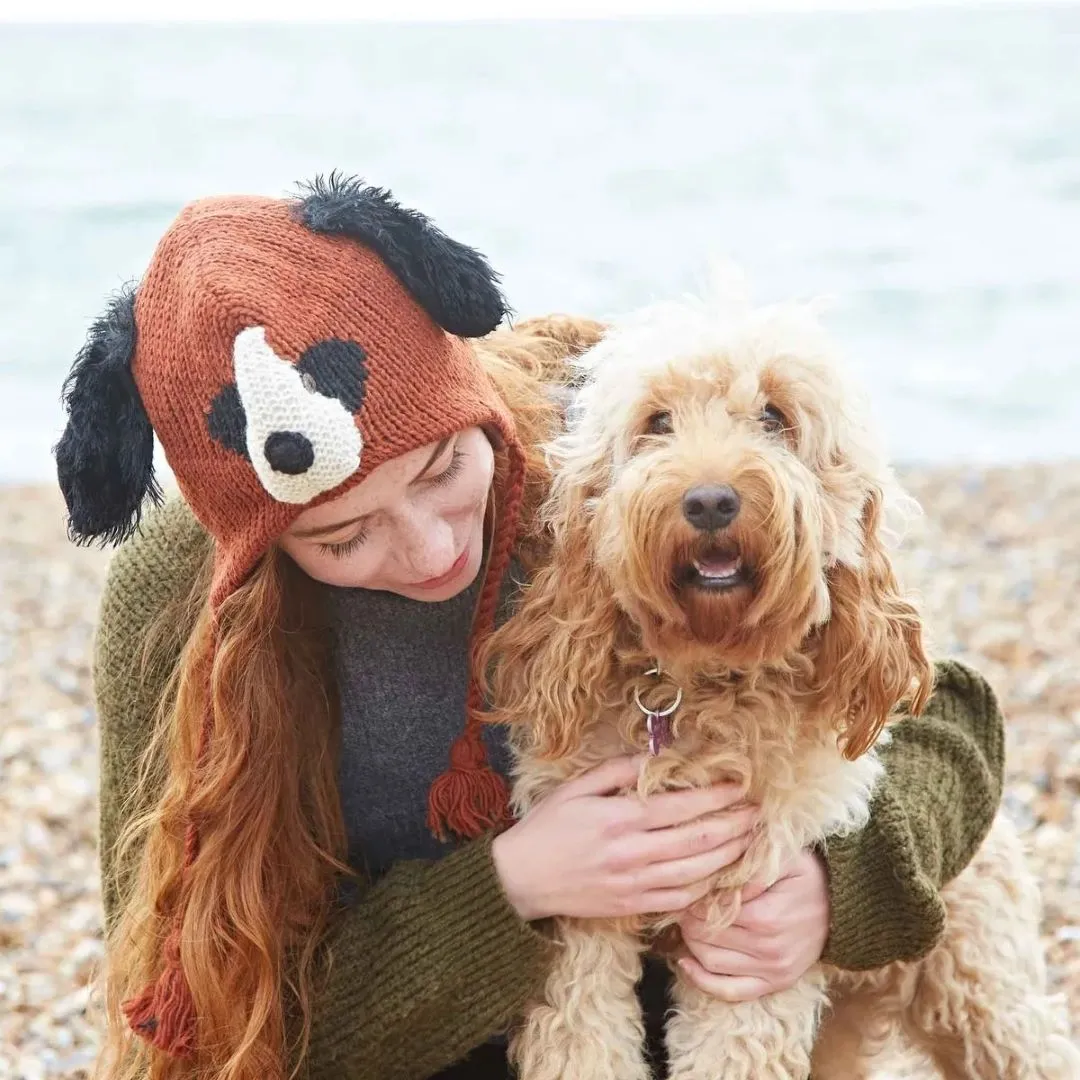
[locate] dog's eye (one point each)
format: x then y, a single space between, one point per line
773 420
660 424
335 368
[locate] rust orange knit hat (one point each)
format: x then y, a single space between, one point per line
282 349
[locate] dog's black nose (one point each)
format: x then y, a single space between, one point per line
711 506
289 452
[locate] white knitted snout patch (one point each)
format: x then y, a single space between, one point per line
278 402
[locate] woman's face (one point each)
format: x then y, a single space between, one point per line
415 526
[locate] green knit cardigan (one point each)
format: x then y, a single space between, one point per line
432 960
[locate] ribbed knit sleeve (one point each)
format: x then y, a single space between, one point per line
934 806
425 965
152 573
428 964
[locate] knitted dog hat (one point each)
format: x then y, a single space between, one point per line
281 350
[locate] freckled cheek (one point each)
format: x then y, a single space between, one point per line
478 481
357 570
357 573
464 498
475 496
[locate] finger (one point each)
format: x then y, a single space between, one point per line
769 913
738 939
676 807
696 837
756 887
729 988
725 961
663 901
757 913
675 873
606 779
696 926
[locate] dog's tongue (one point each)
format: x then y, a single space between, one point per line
718 564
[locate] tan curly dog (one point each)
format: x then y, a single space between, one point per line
720 512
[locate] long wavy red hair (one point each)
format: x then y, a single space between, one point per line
258 899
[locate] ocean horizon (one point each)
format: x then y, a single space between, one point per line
920 168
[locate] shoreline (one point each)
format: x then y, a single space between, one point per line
993 562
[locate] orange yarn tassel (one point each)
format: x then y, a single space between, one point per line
164 1013
470 797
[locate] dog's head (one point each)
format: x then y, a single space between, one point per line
724 480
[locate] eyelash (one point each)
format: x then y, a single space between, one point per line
344 549
450 472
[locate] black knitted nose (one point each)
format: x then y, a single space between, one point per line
289 452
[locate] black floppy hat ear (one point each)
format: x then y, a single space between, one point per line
453 283
105 457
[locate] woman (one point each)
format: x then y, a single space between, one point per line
307 860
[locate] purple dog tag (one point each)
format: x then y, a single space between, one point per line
659 728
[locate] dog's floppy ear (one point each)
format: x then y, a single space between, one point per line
453 283
869 656
552 662
105 457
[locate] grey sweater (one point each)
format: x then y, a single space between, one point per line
402 675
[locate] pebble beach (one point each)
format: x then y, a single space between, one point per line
995 562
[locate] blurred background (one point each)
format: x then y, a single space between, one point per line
920 167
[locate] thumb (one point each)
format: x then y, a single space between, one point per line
797 867
606 779
757 886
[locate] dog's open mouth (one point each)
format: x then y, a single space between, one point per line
716 568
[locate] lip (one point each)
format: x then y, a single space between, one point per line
444 579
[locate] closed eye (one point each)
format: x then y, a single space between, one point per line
346 547
452 470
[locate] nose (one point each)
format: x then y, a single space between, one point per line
289 452
423 543
709 507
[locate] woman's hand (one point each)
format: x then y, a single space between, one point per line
780 933
587 852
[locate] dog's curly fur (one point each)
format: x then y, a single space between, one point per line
790 667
